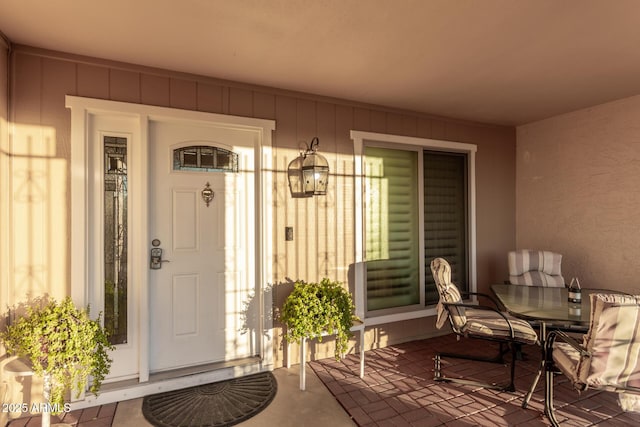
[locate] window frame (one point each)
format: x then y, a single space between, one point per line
362 139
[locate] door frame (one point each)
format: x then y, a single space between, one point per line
83 217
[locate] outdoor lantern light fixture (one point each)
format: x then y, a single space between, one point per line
309 172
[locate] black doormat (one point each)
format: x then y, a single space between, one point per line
217 404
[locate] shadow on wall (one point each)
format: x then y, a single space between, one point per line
280 292
38 204
35 199
251 315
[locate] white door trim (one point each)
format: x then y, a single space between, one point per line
82 217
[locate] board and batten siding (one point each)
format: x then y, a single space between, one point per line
323 244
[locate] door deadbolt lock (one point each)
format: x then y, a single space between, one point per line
156 259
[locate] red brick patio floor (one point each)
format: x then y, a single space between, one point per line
398 389
95 416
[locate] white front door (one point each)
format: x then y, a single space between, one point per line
201 291
210 303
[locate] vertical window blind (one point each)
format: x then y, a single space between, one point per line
445 217
391 228
392 224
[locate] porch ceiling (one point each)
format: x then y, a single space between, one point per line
497 61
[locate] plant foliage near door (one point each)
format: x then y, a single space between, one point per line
316 308
63 344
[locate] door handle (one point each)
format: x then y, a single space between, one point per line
156 260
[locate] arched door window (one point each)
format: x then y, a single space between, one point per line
202 158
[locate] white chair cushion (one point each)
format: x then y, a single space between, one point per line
475 322
535 268
449 293
491 324
613 341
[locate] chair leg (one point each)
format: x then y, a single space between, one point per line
514 356
438 376
548 394
527 397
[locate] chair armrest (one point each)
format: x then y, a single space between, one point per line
557 334
486 308
487 296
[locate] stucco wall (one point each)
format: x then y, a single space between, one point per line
4 169
323 226
4 209
577 192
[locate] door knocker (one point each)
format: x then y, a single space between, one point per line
207 194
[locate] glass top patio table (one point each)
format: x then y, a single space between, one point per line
549 305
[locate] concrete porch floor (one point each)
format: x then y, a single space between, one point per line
315 406
291 407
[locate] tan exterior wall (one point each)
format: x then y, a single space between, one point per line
578 176
4 205
323 226
4 171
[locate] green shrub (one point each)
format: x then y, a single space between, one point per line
314 308
63 342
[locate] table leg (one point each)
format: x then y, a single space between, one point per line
543 335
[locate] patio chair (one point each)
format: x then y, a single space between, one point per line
607 359
477 321
535 268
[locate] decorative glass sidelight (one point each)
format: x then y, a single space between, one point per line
115 238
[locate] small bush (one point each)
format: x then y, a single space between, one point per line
63 342
314 308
